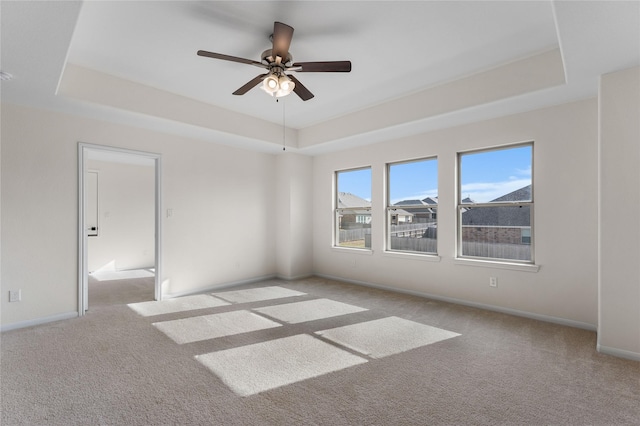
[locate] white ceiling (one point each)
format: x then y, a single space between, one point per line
55 50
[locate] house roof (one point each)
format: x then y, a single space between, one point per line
522 194
403 212
430 200
501 216
467 200
418 210
410 203
349 200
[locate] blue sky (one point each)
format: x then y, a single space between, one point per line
413 181
484 176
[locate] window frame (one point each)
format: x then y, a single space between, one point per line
337 210
389 209
461 206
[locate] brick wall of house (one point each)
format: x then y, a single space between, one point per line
492 234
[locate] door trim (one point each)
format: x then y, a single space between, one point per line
83 153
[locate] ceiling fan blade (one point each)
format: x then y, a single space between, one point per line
282 34
230 58
331 66
250 85
300 90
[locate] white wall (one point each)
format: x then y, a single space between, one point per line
565 184
295 215
223 202
240 215
619 281
126 211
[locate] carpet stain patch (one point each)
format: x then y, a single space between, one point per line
179 304
309 310
259 367
386 336
206 327
257 294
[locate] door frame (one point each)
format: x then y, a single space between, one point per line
83 273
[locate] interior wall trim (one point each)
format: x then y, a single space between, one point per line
620 353
38 321
293 278
216 287
493 308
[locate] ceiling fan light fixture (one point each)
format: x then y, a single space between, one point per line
286 86
270 84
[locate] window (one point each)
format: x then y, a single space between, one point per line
412 204
353 208
495 204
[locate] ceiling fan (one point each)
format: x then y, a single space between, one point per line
278 62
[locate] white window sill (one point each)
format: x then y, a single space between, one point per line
526 267
412 256
367 252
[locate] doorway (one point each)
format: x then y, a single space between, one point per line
89 222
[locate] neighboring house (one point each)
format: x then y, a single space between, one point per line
401 216
508 225
467 201
420 214
432 201
361 213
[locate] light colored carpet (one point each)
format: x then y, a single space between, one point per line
256 368
386 336
179 304
257 294
113 367
188 330
308 310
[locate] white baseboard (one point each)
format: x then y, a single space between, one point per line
297 277
620 353
515 312
219 286
38 321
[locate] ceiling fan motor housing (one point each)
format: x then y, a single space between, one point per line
268 59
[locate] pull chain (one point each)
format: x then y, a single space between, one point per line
284 127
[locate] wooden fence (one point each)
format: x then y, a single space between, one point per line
422 245
412 237
495 250
353 234
411 229
489 250
408 230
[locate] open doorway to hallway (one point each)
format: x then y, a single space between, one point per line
119 241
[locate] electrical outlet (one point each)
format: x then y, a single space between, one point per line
493 281
15 295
